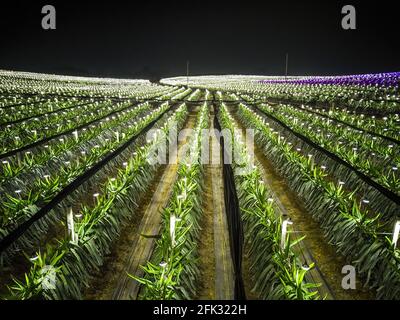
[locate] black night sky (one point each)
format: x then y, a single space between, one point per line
154 39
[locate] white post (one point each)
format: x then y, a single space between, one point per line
396 233
71 225
284 232
172 229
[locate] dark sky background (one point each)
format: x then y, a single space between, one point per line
154 38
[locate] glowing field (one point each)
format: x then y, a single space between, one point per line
208 187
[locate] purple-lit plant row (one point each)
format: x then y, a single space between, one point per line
371 93
380 79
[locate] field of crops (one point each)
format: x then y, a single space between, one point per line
109 188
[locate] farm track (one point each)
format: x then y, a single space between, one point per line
140 246
314 248
104 282
217 277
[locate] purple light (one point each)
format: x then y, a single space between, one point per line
379 79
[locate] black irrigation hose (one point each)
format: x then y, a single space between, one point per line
386 192
9 239
43 114
234 221
39 142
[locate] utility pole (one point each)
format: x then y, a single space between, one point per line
187 73
287 65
